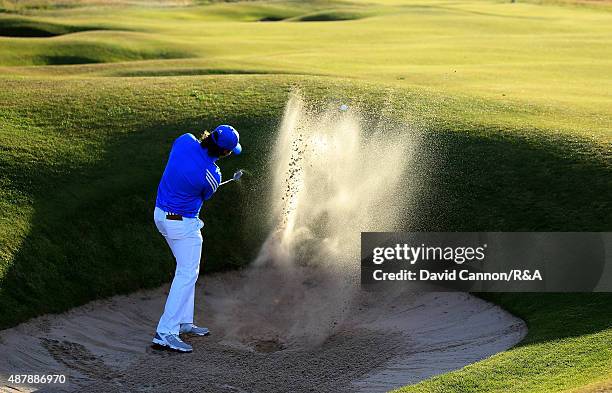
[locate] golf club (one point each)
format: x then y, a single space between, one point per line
236 177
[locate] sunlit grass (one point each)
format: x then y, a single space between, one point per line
553 60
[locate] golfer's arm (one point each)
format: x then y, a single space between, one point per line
209 191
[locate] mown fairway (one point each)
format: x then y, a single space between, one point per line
553 62
514 101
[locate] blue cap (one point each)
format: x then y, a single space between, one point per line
226 137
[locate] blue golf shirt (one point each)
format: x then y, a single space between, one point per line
191 177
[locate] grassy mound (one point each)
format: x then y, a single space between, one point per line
88 47
26 27
330 16
72 178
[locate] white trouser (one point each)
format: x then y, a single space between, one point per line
185 241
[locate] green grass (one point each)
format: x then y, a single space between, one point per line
549 59
513 100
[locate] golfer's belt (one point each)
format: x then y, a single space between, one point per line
174 217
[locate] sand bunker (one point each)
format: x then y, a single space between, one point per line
296 319
388 339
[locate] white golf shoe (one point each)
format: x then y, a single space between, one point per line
171 341
193 329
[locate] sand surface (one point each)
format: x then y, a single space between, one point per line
386 339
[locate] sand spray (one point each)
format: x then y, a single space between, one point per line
334 175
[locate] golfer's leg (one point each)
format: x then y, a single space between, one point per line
165 324
189 305
187 252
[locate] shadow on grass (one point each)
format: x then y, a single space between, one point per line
513 182
94 237
65 59
502 181
330 16
552 316
23 27
200 71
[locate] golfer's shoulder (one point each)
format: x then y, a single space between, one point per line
185 141
187 138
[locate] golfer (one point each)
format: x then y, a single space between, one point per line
191 177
